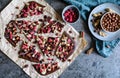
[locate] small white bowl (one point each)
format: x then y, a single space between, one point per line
102 26
70 7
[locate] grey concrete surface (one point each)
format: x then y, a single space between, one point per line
85 66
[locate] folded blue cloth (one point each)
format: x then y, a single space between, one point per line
104 48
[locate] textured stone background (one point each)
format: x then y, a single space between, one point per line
85 66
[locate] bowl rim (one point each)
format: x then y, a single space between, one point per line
66 8
102 19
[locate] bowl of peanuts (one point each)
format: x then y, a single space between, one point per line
110 22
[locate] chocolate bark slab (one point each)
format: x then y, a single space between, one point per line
65 48
30 9
44 69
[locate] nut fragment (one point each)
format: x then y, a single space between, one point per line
102 34
99 14
90 51
96 23
44 71
81 34
109 10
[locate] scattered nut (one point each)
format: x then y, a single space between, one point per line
99 14
96 23
90 51
81 34
109 10
102 34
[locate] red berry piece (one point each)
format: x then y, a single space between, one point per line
71 15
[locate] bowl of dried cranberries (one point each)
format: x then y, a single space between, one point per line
110 22
70 14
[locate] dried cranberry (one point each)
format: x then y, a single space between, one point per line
10 34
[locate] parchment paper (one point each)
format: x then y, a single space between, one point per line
10 12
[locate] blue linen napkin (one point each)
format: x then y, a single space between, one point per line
104 48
